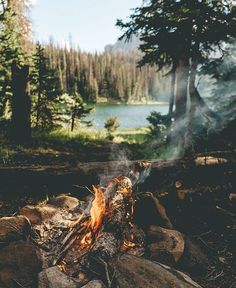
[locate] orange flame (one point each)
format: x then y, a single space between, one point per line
98 209
97 213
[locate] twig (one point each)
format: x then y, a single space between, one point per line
210 273
203 234
212 249
232 285
63 252
18 283
76 229
78 186
226 211
68 236
217 276
109 282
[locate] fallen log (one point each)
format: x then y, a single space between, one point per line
46 180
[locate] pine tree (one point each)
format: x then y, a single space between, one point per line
181 33
15 45
72 109
45 89
111 75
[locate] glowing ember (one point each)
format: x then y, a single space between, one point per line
62 266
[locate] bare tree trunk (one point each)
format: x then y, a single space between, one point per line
205 110
182 74
196 101
21 104
38 110
192 107
38 107
172 93
72 121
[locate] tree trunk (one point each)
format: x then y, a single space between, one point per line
38 107
205 110
172 93
38 110
196 101
72 122
192 107
182 73
21 104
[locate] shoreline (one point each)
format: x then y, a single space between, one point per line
132 103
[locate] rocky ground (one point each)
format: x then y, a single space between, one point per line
187 213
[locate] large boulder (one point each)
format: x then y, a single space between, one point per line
20 264
135 272
14 228
167 246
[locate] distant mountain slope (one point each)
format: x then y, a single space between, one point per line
123 46
111 76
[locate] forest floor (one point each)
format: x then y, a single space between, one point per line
60 146
214 229
206 214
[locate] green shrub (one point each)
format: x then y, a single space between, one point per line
111 125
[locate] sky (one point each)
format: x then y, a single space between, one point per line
91 23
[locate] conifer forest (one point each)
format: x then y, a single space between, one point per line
118 157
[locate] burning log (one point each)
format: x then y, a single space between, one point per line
106 246
109 228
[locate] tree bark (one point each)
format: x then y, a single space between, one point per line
72 121
21 104
195 98
196 101
192 108
182 73
172 93
38 107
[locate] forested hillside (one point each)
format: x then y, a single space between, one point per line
110 76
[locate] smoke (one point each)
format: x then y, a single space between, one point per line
33 2
218 84
120 163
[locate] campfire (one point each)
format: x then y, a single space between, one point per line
117 234
105 225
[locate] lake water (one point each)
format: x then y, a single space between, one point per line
128 115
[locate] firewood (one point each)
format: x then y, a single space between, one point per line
63 252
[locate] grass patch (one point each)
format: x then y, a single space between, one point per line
61 145
64 137
132 135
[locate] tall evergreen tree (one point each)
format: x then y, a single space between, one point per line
45 89
14 33
181 32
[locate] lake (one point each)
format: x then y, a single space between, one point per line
128 115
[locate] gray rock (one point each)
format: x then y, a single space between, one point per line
38 214
14 228
135 272
94 284
64 202
53 277
167 246
20 263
